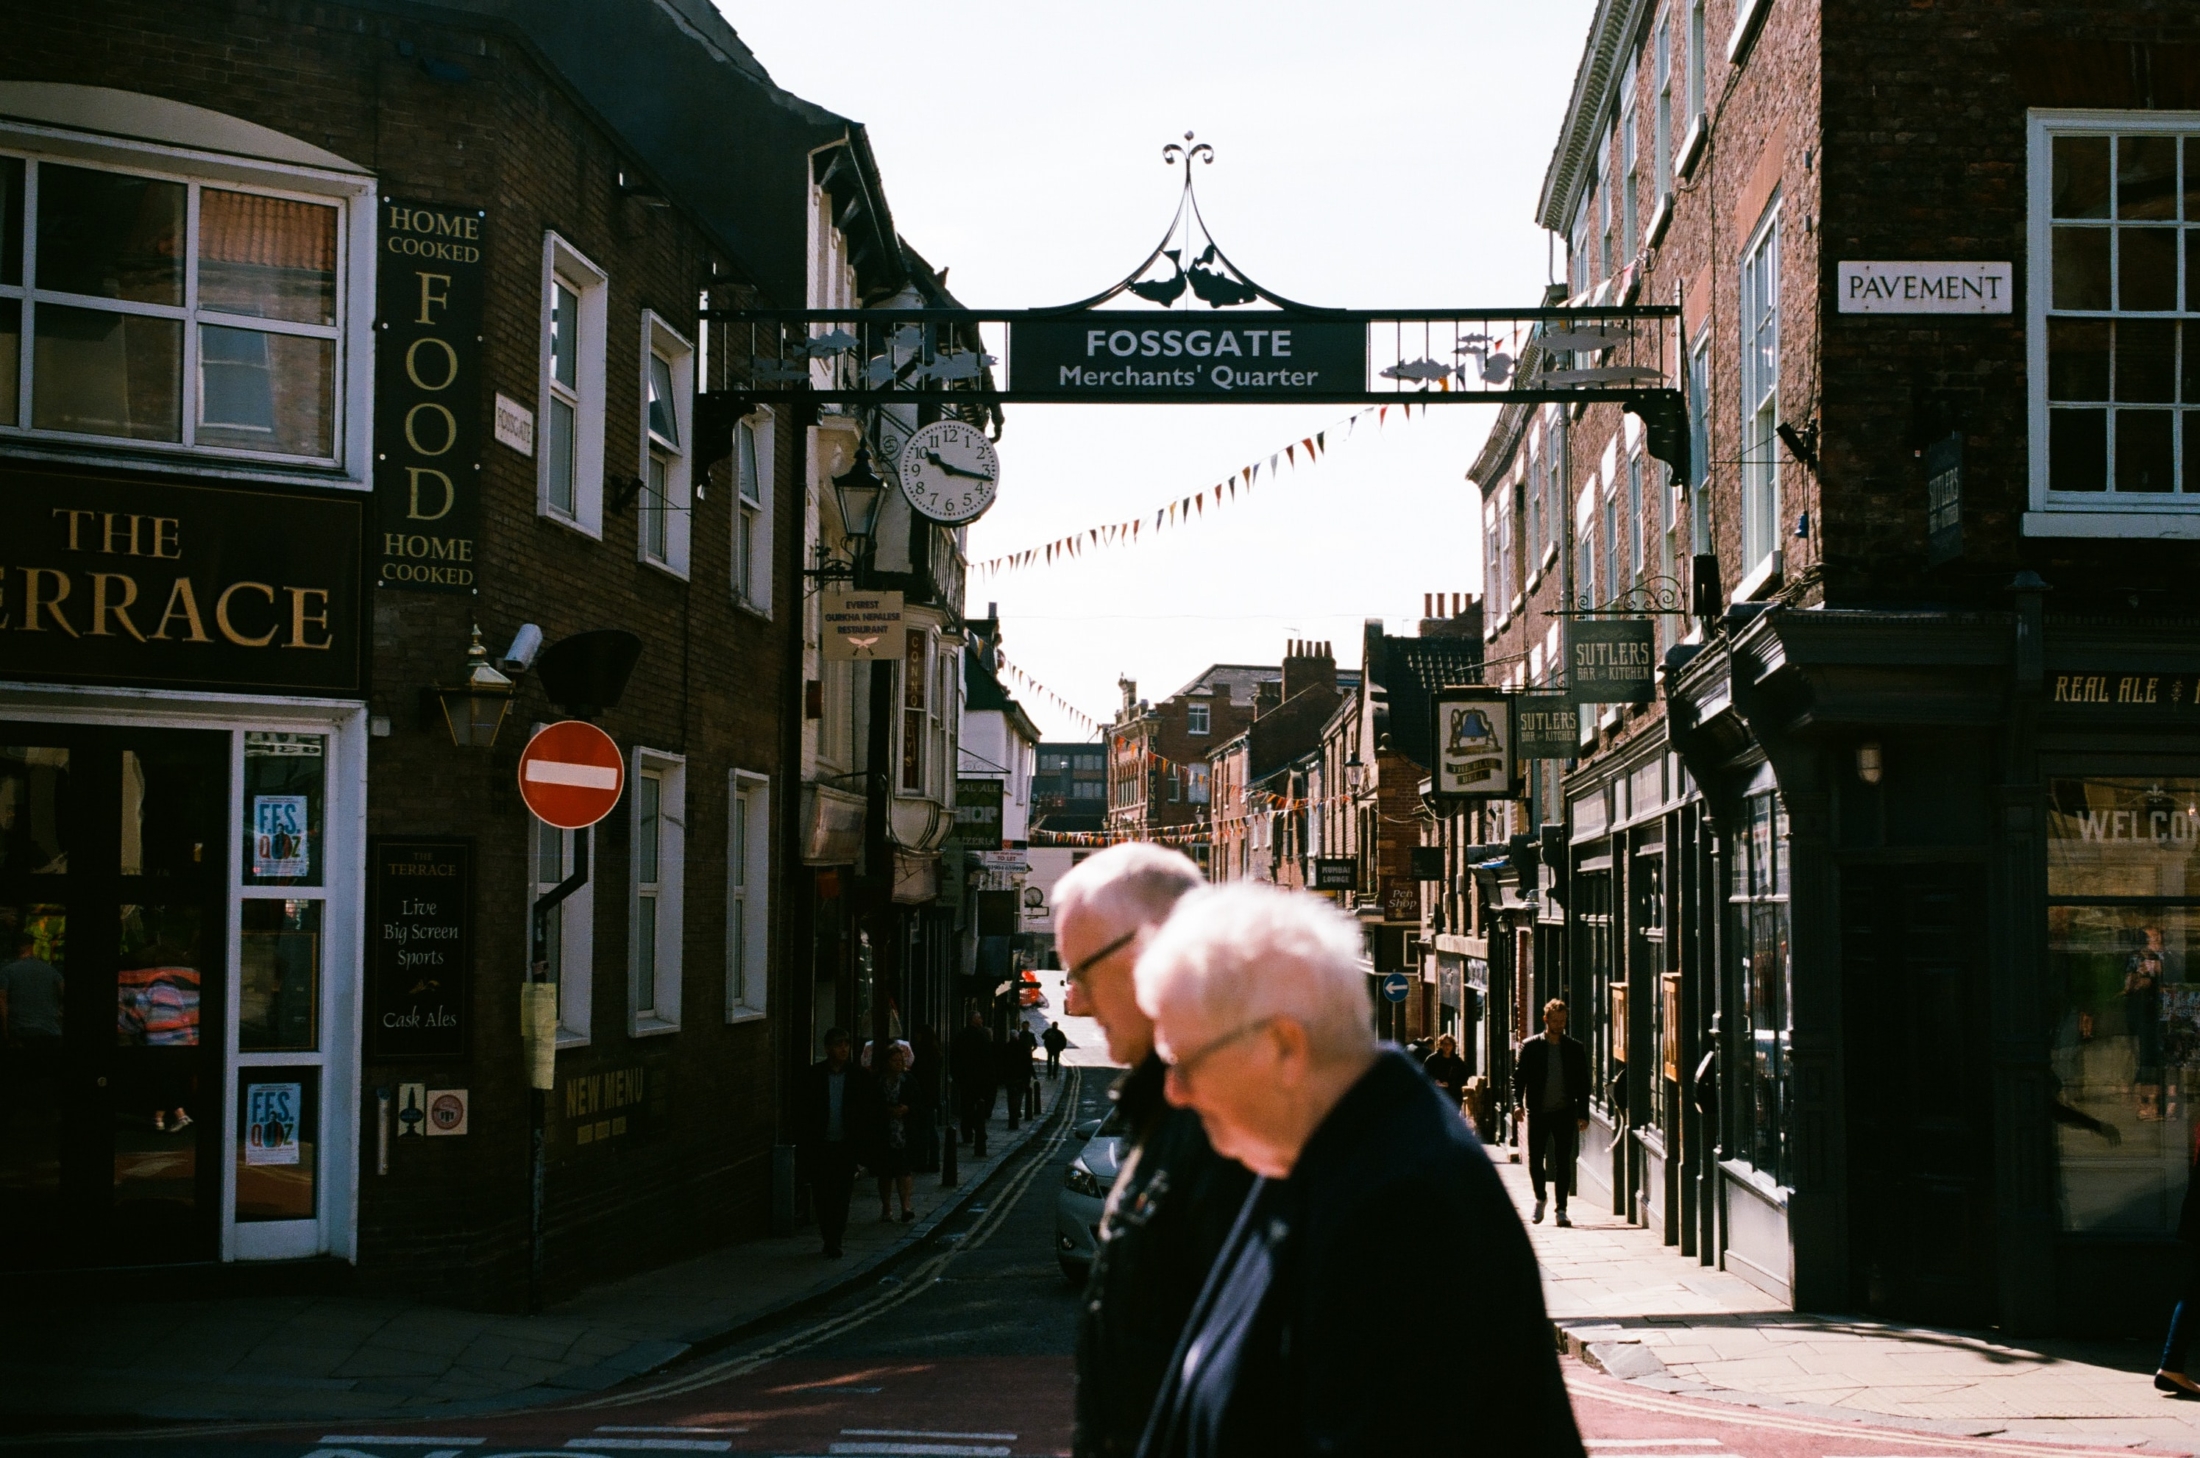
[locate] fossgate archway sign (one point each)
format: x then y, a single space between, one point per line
1188 326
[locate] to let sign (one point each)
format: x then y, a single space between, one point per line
1155 355
427 386
179 585
1925 288
420 947
1612 660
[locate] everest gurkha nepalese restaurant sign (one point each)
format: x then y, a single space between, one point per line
420 946
1138 353
428 395
180 585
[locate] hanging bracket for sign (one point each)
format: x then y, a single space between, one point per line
1188 325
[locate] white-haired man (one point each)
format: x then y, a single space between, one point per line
1175 1199
1306 1331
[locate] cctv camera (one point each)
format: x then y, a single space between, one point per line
526 643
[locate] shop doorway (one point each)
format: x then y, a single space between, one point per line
114 868
1913 942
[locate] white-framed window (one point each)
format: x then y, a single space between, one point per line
1760 376
945 711
1699 440
1630 237
748 894
569 451
2114 327
1638 556
169 303
1198 717
657 810
571 934
1607 265
753 493
916 711
663 510
1533 478
1661 141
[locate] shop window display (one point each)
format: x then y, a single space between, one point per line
2123 880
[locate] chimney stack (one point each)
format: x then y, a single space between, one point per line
1464 620
1307 665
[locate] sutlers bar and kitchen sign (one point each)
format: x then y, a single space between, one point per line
428 396
111 581
1162 355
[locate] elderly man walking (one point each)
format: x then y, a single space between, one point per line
1175 1200
1304 1341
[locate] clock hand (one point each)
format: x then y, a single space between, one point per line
954 470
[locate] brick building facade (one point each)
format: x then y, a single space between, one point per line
307 180
1868 914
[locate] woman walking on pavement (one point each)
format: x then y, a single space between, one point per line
897 1095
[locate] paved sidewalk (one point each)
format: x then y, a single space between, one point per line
335 1357
1643 1312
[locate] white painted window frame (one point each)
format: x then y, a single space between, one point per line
752 589
575 920
1760 458
748 886
660 340
667 902
561 261
2088 513
353 333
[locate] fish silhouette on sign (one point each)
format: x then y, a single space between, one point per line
1582 341
1216 287
1494 365
1164 290
959 364
1424 370
880 371
836 341
908 339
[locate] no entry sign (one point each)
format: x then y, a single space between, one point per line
571 775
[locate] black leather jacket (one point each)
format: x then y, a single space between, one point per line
1166 1219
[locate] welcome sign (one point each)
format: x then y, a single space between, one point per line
1162 355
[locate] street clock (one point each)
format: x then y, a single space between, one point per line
950 472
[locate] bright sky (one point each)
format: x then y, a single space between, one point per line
1367 155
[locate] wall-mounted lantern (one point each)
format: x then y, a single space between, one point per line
1870 767
475 709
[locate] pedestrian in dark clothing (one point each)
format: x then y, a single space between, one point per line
1174 1199
1303 1341
1056 1040
889 1158
1031 1074
1551 1081
1447 1070
839 1119
1015 1071
974 1064
2170 1376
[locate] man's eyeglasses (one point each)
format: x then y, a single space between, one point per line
1182 1067
1083 969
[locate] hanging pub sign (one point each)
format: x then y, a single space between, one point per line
1549 727
420 946
859 627
977 813
1944 499
1475 743
1149 354
179 585
428 380
1612 660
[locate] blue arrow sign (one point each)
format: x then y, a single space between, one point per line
1396 986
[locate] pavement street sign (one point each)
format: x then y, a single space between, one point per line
1396 987
571 774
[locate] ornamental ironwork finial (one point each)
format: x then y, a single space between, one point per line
1187 154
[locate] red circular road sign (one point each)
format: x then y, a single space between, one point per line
570 774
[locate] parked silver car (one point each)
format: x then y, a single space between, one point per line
1084 1194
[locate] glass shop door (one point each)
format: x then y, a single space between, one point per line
114 871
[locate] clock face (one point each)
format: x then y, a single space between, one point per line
949 472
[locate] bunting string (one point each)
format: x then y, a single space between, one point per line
1180 512
1090 725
